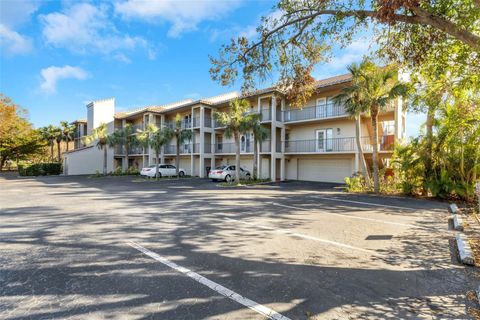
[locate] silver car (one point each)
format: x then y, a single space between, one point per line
227 173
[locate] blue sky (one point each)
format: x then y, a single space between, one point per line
58 55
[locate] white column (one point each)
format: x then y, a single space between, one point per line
273 139
124 159
282 169
151 152
162 151
201 169
283 109
356 164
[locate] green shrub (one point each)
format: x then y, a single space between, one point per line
357 183
132 171
40 169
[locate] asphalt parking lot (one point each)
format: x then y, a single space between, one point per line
117 248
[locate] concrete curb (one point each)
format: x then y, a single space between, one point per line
466 255
453 208
457 222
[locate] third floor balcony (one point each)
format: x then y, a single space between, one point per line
325 111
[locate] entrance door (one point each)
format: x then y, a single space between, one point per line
320 109
320 140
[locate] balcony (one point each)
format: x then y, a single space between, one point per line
320 145
225 148
196 122
172 149
329 110
138 150
337 145
208 122
266 114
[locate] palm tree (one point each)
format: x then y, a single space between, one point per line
156 138
377 87
68 131
351 99
260 133
58 139
125 137
235 123
48 134
103 140
181 135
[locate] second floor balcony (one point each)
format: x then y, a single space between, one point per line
332 145
329 110
136 150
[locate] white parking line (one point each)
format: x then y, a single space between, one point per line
362 202
265 311
305 236
355 217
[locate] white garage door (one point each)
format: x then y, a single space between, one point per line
325 170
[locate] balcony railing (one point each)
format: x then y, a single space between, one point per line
320 145
385 143
120 150
328 110
266 114
196 122
208 122
266 146
172 149
231 148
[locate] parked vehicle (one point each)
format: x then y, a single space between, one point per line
227 173
164 170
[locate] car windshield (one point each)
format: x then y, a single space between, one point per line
220 167
152 166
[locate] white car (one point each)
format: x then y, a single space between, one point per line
164 170
227 173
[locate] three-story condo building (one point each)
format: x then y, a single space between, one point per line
315 142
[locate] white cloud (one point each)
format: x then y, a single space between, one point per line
15 13
183 15
52 75
84 28
13 42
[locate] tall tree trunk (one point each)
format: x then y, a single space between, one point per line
67 147
105 160
428 162
237 157
376 178
177 158
157 155
366 174
51 151
255 156
58 150
2 162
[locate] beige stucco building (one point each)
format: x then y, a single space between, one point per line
316 142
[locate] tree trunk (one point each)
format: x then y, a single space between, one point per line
157 153
429 148
105 160
177 158
237 157
58 150
67 147
376 178
2 162
255 156
51 151
366 174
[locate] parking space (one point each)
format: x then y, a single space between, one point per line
118 247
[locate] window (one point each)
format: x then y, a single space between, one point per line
388 127
169 166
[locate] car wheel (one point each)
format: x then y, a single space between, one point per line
228 178
181 174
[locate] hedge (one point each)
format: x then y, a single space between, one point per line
40 169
